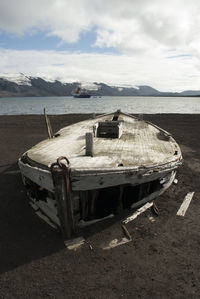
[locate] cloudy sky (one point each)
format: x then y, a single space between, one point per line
118 42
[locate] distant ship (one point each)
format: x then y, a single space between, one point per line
80 93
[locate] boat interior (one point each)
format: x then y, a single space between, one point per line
94 204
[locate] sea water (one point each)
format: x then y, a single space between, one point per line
66 105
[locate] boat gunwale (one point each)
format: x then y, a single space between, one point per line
115 170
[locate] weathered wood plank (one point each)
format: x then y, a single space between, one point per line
138 212
98 181
39 176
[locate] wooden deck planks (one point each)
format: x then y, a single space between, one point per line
138 145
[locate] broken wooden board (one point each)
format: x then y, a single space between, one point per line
138 212
115 243
74 244
185 205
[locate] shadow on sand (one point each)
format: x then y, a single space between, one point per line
24 237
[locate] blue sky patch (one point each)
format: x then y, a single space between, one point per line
43 41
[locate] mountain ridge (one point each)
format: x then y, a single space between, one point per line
24 86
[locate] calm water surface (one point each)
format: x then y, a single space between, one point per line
66 105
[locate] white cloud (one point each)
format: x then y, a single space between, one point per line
20 16
129 25
65 19
142 31
162 73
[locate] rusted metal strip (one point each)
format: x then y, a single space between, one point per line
61 178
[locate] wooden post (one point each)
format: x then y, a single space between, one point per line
48 124
89 144
63 197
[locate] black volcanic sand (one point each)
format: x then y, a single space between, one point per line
162 260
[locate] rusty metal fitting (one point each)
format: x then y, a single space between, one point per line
62 165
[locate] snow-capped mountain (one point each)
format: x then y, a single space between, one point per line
21 85
19 79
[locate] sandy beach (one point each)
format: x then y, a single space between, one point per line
161 261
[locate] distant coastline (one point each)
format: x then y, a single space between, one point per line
38 87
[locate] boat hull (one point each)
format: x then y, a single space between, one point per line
82 96
68 191
125 191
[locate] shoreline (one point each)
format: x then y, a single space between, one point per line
135 114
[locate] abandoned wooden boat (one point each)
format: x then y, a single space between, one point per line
96 168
